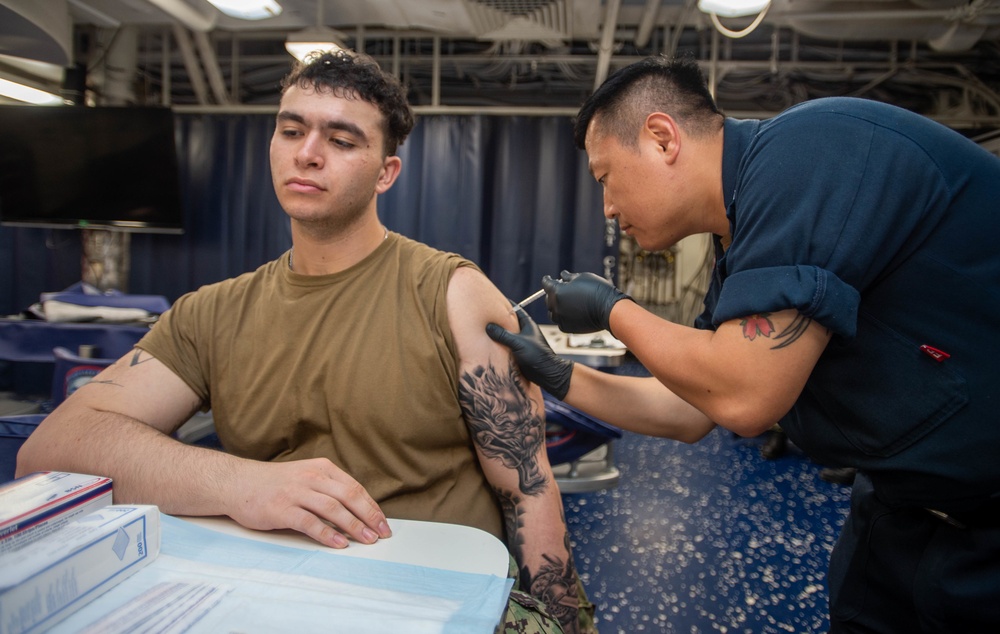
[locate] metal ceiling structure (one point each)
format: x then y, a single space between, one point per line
937 57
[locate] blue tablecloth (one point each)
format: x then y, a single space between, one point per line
27 340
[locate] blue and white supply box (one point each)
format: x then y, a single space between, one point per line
40 503
47 580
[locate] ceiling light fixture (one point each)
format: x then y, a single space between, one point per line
248 9
21 92
735 9
313 39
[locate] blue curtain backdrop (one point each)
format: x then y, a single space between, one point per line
512 194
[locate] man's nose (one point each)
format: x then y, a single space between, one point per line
610 212
308 153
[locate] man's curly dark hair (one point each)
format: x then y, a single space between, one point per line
356 75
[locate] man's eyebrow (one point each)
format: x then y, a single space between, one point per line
285 115
346 126
333 124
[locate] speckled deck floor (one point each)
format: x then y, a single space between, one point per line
708 538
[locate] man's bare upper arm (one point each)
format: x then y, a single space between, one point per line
504 412
473 301
141 387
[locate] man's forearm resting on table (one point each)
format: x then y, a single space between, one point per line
132 446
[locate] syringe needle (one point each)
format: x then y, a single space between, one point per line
527 300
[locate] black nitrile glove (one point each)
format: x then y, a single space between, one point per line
581 302
534 356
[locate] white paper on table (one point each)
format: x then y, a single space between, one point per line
250 586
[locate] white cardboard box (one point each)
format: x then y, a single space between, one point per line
40 503
49 579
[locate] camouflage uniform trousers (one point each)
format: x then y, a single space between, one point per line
527 615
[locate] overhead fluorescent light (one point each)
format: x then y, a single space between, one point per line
312 39
21 92
248 9
733 8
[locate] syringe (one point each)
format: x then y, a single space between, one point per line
527 300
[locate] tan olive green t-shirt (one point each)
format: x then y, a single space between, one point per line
359 367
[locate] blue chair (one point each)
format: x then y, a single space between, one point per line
571 439
71 372
14 430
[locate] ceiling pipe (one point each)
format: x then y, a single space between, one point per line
670 47
100 18
553 111
165 97
436 73
607 41
211 65
118 67
191 63
186 14
957 37
895 16
943 29
646 22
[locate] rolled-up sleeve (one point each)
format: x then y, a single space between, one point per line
815 292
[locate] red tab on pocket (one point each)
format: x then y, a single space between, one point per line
934 353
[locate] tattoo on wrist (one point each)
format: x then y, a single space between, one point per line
504 423
555 585
555 581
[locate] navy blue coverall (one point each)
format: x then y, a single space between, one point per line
883 227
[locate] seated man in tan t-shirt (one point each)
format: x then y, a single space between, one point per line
350 380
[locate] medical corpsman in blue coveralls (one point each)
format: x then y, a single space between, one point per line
855 300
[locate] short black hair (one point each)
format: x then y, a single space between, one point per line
675 86
349 74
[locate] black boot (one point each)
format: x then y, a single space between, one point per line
775 446
840 475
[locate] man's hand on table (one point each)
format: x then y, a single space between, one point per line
314 497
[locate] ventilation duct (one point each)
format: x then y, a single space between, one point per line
945 25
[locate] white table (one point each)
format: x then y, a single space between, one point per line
429 544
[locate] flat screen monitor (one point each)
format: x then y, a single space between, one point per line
89 167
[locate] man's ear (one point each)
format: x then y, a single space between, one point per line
390 170
663 130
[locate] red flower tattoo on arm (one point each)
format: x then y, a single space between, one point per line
758 324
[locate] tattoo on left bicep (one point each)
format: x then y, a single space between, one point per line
136 360
761 325
504 423
795 330
101 382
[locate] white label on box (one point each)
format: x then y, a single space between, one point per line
38 504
